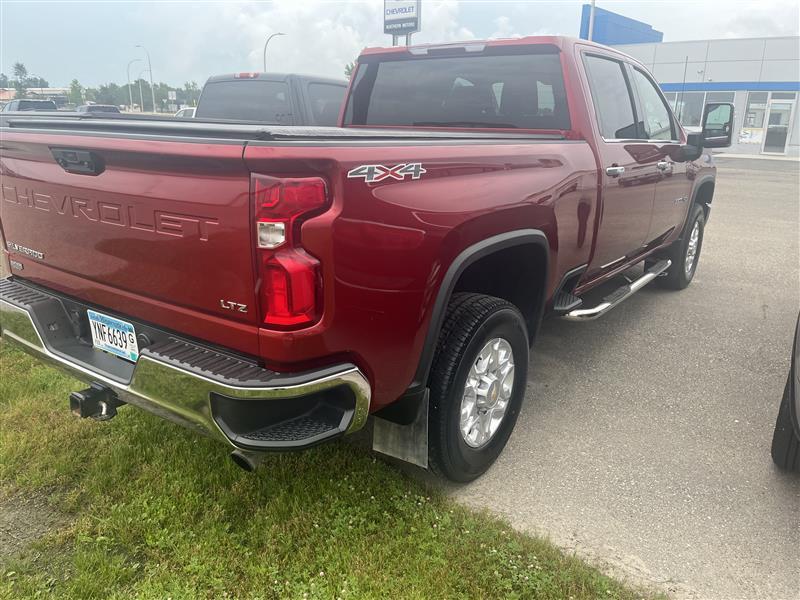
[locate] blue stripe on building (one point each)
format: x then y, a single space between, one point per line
732 86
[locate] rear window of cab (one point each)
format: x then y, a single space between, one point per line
498 88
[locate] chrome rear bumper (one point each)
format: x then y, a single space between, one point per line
163 383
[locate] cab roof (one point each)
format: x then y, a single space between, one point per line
560 41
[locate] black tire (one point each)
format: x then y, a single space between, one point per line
676 277
471 321
785 443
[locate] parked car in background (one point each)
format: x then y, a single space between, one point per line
272 98
273 285
185 113
786 438
26 104
98 108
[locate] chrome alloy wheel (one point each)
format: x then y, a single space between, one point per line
487 392
691 249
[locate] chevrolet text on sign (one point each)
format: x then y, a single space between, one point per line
401 17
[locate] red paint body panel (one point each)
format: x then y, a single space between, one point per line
166 231
385 247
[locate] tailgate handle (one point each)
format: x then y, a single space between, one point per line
80 162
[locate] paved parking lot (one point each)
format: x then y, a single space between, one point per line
644 441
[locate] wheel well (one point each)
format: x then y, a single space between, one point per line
517 274
704 195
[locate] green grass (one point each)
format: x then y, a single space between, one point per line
154 511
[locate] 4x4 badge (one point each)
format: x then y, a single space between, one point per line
376 173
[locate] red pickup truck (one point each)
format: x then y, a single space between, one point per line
273 286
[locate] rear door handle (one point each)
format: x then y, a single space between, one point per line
615 171
664 165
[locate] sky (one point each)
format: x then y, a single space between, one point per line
189 41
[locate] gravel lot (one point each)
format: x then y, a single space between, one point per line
644 441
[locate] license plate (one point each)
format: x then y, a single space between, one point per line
113 335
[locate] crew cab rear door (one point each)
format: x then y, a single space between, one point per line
627 166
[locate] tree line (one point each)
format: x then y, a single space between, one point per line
107 93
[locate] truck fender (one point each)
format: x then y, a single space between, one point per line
404 410
698 186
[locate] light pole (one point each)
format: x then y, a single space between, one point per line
141 98
130 92
150 68
591 22
265 48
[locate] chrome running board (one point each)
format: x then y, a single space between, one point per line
619 295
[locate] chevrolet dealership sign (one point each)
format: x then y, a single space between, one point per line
401 17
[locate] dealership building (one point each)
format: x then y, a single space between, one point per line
761 76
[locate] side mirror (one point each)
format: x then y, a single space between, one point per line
717 125
692 149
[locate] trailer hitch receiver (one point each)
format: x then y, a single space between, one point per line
98 402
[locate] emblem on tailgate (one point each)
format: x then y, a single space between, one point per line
14 247
133 216
376 173
230 305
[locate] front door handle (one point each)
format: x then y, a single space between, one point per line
615 171
664 165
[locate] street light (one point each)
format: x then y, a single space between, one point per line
591 22
150 68
141 98
265 48
130 92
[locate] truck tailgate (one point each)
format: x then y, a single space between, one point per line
150 228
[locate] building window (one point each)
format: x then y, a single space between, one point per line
752 131
720 97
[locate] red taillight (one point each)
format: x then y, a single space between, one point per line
290 280
245 75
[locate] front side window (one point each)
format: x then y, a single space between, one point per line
497 90
612 101
655 118
689 108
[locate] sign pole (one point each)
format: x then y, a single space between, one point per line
394 40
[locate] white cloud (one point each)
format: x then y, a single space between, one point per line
321 36
191 41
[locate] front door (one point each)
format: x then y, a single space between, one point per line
660 132
779 120
627 167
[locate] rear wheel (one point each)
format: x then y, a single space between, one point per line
785 443
477 384
685 252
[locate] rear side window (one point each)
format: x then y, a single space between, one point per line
246 100
611 98
524 91
656 118
326 102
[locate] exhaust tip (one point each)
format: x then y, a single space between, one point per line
245 460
